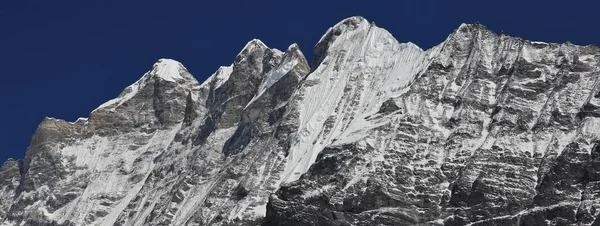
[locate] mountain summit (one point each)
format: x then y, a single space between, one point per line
481 129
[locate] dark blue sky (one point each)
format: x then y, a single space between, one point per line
64 58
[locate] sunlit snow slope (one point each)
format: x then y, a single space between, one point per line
481 129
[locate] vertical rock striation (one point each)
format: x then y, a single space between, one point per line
483 129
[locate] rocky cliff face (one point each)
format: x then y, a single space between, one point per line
481 129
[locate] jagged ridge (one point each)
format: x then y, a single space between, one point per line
477 130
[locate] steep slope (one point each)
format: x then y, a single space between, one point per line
481 129
88 170
225 164
496 130
359 67
163 150
9 181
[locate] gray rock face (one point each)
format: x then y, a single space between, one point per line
168 150
494 131
483 129
9 181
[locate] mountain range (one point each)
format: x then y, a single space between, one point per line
482 129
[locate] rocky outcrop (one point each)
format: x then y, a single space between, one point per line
493 130
9 181
481 129
167 150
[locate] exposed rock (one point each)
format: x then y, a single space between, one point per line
492 133
483 129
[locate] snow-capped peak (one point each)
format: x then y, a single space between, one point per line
355 20
350 24
480 119
167 69
293 46
252 44
462 25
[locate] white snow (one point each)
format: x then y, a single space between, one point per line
364 67
167 69
127 94
106 159
316 192
252 44
276 74
325 35
528 211
337 104
222 75
273 76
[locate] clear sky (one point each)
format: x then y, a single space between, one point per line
64 58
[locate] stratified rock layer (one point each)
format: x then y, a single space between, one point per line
492 130
483 129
